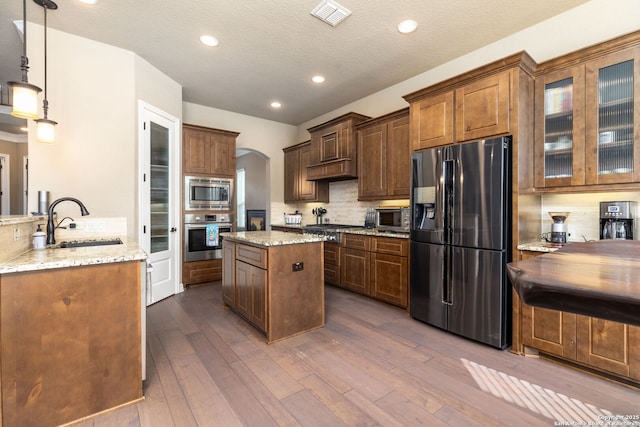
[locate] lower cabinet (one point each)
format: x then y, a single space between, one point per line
198 272
606 346
376 266
279 289
332 260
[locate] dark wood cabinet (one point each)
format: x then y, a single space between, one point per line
201 272
607 346
483 107
489 101
587 135
375 266
384 157
261 285
334 148
296 186
332 261
208 151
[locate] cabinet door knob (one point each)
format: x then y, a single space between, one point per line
173 229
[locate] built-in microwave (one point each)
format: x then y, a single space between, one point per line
393 219
203 193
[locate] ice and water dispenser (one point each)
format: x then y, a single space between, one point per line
424 208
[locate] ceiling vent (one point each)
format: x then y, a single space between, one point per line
331 12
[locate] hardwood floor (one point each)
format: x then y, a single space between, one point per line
372 365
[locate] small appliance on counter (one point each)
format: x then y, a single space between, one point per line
616 220
559 227
396 219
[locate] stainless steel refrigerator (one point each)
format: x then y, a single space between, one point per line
460 239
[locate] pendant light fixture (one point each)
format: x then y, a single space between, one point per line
46 127
25 95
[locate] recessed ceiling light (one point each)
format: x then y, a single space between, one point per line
407 26
317 79
209 40
276 104
89 1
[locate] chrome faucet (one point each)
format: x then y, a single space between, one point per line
51 227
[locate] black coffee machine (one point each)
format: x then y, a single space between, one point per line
616 220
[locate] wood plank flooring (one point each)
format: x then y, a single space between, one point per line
372 365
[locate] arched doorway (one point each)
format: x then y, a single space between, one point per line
252 170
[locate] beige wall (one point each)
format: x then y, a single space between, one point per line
93 92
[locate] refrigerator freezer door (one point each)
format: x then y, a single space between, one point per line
479 296
480 198
426 196
427 281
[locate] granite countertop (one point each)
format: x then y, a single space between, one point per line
355 230
271 238
598 279
20 219
51 258
539 246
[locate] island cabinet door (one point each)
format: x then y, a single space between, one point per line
607 345
549 331
228 272
251 285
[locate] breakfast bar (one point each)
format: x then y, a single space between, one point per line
598 279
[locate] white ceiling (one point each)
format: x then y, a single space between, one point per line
270 49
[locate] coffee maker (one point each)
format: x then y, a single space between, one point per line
616 220
559 227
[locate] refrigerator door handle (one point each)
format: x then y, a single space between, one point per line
448 174
446 277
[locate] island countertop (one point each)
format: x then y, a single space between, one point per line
271 238
598 279
50 258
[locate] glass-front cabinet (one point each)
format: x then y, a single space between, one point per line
586 130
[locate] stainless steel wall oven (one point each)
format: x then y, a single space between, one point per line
202 239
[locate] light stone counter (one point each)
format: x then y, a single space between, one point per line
46 259
539 247
375 232
271 238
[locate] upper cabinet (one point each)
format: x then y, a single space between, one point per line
489 101
208 151
296 186
585 117
482 107
333 148
384 156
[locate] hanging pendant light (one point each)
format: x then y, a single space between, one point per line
25 95
46 127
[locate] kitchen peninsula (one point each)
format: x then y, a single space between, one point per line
274 280
580 304
71 332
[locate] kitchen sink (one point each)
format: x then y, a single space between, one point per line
92 242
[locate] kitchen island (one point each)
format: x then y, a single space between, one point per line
71 333
274 280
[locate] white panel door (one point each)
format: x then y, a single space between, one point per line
159 201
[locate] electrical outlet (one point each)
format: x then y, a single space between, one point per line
16 234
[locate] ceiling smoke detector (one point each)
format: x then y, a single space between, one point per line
331 12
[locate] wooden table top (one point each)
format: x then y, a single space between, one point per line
598 279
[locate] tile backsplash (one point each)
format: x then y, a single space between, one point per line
584 219
343 206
